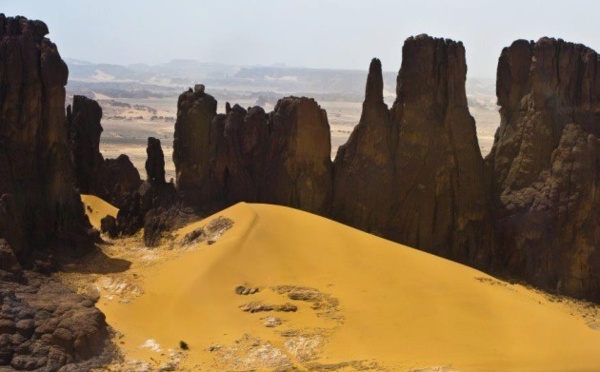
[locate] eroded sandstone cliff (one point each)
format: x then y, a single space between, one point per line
282 157
43 325
111 179
192 147
414 173
38 201
544 167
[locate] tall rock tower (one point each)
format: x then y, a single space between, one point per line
414 174
544 168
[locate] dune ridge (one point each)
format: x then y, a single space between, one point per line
362 303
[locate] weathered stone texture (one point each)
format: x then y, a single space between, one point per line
544 166
414 174
110 179
38 203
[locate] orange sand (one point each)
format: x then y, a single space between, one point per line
399 309
97 209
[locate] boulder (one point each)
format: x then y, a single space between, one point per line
45 326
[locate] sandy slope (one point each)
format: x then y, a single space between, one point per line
362 302
97 209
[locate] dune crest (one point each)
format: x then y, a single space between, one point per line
283 288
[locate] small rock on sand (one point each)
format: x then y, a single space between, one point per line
271 322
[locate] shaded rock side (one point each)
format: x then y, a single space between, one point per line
110 179
414 174
38 202
192 147
84 123
155 162
120 179
544 166
364 169
282 157
43 325
148 206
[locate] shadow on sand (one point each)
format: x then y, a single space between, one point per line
96 262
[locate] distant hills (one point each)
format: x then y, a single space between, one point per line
272 82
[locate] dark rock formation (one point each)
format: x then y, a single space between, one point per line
130 218
248 155
10 269
108 225
414 174
111 179
38 204
155 162
298 163
84 123
120 179
364 170
155 192
545 165
191 145
156 196
45 326
156 223
240 150
281 158
150 205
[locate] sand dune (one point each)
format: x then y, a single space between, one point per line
361 303
96 209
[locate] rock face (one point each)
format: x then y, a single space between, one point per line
43 325
281 158
147 206
84 123
248 155
191 145
414 174
38 203
545 165
110 179
364 170
120 179
156 196
155 162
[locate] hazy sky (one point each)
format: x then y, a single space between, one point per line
309 33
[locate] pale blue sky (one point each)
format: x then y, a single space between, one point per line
309 33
